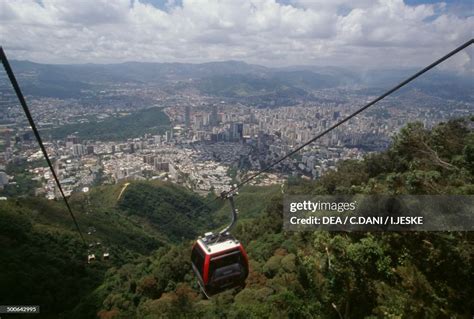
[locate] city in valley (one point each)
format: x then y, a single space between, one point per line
201 139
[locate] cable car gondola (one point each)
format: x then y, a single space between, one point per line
219 260
90 258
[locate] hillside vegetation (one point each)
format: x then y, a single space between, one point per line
44 262
170 209
329 275
151 120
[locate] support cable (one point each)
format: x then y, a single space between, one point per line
344 120
22 100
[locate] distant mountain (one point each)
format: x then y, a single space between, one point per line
307 79
344 76
232 79
140 72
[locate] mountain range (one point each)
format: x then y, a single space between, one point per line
229 79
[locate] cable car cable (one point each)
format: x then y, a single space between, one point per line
211 258
22 100
347 118
247 180
381 97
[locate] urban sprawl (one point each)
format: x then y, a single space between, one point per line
209 144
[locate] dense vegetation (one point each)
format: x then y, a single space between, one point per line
168 208
330 275
151 120
22 183
292 274
43 260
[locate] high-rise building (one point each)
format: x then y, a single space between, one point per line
198 121
149 159
214 120
236 131
157 139
187 116
71 140
161 166
206 118
168 136
253 119
78 150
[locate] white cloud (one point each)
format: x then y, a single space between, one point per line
338 32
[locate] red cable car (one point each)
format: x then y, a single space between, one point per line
219 260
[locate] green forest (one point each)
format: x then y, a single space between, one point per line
149 231
151 120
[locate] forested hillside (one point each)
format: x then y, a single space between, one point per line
151 120
329 275
150 229
43 261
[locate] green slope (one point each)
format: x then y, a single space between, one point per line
136 124
250 202
170 209
328 275
44 262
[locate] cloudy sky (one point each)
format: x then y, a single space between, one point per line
268 32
